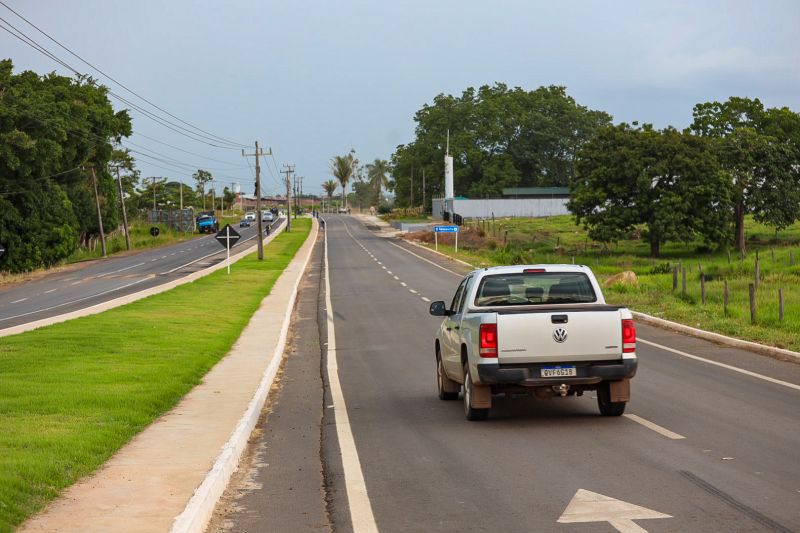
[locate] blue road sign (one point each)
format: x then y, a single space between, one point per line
445 229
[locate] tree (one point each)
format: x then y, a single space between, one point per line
342 168
668 181
758 149
329 187
499 137
202 177
51 129
377 175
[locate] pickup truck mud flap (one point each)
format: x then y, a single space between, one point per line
620 391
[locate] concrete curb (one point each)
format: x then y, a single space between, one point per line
716 337
128 298
200 508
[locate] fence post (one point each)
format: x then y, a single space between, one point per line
702 288
752 290
683 281
729 257
780 305
725 298
674 278
505 237
758 271
772 251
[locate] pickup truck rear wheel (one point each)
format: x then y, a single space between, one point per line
448 389
604 403
471 412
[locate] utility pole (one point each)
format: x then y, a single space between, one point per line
300 199
260 239
412 188
124 212
289 170
213 199
154 195
99 216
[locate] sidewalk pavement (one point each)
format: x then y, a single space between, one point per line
170 476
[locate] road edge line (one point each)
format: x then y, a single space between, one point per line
361 516
200 508
722 365
661 430
715 337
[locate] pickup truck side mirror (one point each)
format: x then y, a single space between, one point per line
439 308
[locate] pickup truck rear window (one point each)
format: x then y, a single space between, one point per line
534 288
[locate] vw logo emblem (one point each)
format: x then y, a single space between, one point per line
560 335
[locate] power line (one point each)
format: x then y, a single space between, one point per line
9 193
219 139
201 138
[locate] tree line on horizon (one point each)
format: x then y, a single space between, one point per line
736 158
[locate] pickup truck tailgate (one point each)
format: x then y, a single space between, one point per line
559 336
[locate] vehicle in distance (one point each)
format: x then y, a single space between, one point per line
245 223
540 330
342 210
267 216
250 215
207 222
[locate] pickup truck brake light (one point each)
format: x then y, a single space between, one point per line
628 336
488 346
533 270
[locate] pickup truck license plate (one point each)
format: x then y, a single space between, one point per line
558 371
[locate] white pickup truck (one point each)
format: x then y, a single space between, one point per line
541 330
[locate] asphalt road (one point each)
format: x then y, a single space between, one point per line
708 448
86 284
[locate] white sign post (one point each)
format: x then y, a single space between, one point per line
444 229
227 238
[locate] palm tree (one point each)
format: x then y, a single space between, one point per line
342 170
377 173
329 187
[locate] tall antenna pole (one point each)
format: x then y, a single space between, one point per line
289 170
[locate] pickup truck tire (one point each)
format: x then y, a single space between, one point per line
448 389
604 403
470 412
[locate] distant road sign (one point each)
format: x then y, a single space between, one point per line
445 229
154 231
227 237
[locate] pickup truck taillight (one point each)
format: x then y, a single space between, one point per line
628 336
488 347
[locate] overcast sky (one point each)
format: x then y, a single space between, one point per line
313 79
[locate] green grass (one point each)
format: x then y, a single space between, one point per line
72 394
558 240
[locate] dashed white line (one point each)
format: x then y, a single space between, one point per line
655 427
383 267
395 277
18 301
404 284
412 291
388 271
426 299
52 290
723 365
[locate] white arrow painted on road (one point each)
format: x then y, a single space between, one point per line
587 506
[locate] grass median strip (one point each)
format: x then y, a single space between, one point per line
72 394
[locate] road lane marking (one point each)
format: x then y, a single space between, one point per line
18 301
388 271
723 365
427 260
412 291
395 277
357 498
588 506
76 300
655 427
383 267
120 270
426 299
404 284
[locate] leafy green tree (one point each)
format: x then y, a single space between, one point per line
668 181
378 177
52 129
499 137
202 177
342 168
329 187
758 149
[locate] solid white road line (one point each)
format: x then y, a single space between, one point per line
723 365
360 508
120 270
655 427
427 260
